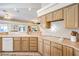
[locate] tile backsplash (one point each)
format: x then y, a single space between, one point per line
58 29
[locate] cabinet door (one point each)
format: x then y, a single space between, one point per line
40 45
58 15
49 17
68 51
46 50
17 44
0 44
71 16
44 23
33 44
25 44
76 52
52 51
59 52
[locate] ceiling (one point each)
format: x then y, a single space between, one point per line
21 11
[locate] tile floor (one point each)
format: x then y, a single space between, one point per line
20 54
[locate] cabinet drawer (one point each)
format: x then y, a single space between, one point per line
33 49
17 38
47 42
25 38
33 45
33 42
33 39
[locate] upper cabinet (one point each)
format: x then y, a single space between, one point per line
58 15
71 18
44 23
49 17
69 14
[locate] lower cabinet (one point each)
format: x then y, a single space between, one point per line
76 52
25 44
33 44
56 49
17 44
46 48
68 51
40 46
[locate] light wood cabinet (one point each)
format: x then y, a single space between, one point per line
33 44
49 17
0 44
56 49
40 46
58 15
76 52
17 44
25 44
46 48
71 18
68 51
44 23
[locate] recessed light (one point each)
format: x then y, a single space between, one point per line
29 9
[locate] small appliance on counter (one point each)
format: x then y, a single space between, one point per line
74 36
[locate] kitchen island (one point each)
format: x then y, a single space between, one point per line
18 43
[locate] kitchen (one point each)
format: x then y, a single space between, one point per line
39 29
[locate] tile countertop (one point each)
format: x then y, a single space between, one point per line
65 42
19 36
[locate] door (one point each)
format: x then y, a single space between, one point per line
71 16
58 15
68 51
25 44
46 50
17 44
7 44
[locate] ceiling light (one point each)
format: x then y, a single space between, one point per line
29 9
15 9
7 16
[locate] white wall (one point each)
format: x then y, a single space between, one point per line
58 29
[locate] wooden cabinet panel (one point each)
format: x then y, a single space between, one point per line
71 16
56 49
33 44
44 23
58 15
68 51
40 45
52 51
49 17
25 44
0 44
17 44
33 49
76 52
46 48
47 42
